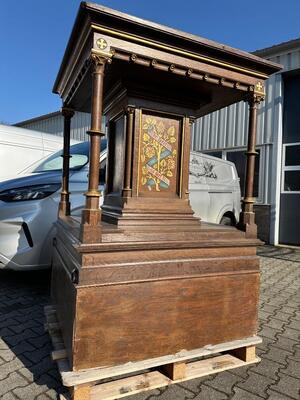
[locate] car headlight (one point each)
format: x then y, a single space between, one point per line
35 192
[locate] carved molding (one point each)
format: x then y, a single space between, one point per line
180 70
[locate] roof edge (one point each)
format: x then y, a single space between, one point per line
288 45
36 119
86 9
177 32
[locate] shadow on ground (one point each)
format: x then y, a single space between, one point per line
280 252
26 369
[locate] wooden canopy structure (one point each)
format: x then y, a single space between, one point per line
142 277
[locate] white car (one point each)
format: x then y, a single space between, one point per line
29 204
20 148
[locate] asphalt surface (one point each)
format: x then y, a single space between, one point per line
27 372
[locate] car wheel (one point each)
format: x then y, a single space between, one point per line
226 221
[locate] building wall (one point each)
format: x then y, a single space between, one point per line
53 123
227 129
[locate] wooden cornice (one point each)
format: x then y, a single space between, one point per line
94 18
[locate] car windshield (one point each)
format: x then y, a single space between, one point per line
79 158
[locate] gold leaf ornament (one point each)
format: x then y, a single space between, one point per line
149 151
171 163
146 137
150 123
160 127
171 131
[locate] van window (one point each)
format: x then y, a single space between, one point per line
217 154
102 172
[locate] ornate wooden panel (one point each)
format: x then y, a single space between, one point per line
159 155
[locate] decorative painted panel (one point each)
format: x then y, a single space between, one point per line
159 148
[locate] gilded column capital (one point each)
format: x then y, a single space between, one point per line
192 120
257 94
67 112
100 58
129 109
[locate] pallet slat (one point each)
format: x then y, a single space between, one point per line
153 380
58 354
72 378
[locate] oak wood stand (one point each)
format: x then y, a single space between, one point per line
141 286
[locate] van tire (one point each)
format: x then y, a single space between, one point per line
226 221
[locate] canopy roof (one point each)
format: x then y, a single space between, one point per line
220 74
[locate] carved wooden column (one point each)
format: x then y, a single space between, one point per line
128 154
247 216
91 215
64 204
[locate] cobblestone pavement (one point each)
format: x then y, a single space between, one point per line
27 373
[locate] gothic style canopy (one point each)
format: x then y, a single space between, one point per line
142 265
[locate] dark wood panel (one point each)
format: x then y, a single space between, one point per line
122 323
63 296
119 258
173 270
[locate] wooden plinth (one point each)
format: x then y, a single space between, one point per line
141 294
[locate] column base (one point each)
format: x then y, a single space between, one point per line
247 224
90 229
64 208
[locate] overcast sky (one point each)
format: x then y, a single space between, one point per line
34 33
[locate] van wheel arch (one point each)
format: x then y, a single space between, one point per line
228 219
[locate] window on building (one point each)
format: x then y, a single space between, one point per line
239 159
292 155
292 181
291 167
291 116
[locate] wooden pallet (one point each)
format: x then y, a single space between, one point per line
93 384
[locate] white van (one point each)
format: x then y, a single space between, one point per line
214 186
20 148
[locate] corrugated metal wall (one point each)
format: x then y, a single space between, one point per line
80 123
227 128
290 60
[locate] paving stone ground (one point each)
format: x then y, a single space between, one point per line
27 373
